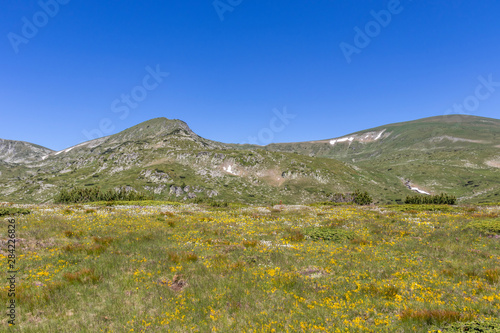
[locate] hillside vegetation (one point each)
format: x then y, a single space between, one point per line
458 155
194 268
166 160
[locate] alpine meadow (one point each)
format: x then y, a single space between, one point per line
238 166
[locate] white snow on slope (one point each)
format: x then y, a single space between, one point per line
90 144
366 137
229 169
334 141
416 189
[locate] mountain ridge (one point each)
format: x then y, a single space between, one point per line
167 158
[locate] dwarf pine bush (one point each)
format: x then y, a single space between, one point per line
440 199
92 194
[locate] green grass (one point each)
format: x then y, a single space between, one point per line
195 268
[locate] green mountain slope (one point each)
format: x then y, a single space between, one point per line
455 154
21 152
166 158
458 155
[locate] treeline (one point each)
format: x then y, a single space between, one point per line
440 199
13 211
91 194
357 197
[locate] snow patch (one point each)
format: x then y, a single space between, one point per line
70 148
348 139
229 169
367 137
91 144
412 187
416 189
379 135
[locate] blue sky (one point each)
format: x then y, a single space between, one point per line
233 65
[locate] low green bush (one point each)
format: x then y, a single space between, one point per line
440 199
487 226
357 197
14 211
91 194
362 198
420 208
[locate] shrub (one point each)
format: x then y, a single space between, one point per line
14 211
357 197
362 198
92 194
342 198
412 208
440 199
486 226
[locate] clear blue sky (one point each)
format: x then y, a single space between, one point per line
226 76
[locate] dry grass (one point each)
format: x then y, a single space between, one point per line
435 317
249 243
84 275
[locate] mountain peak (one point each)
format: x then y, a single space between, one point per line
153 128
12 151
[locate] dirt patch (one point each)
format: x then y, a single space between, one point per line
493 163
176 284
272 177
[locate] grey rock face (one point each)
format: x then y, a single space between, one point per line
176 190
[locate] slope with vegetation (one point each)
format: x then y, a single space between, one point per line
164 158
194 268
459 155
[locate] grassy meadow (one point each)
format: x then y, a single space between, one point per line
196 268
